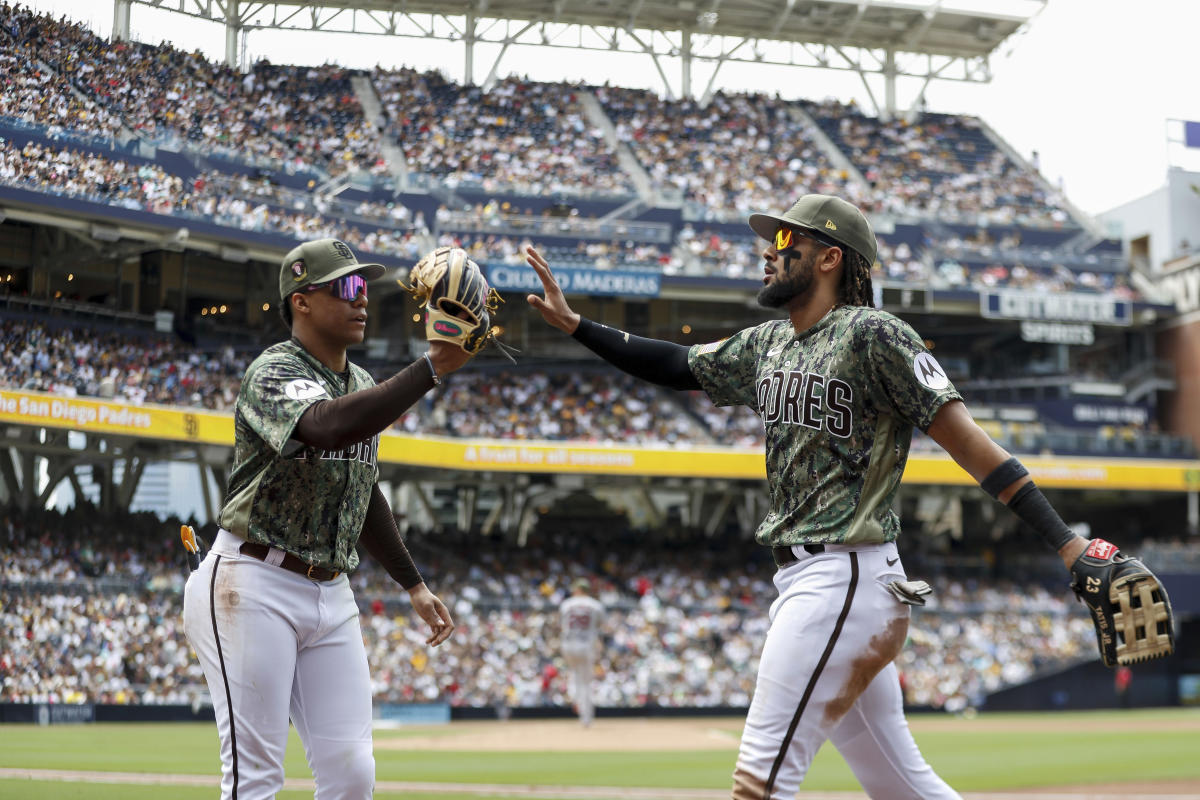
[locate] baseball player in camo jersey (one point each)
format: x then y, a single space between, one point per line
579 617
270 611
839 386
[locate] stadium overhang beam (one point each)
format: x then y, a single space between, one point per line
923 40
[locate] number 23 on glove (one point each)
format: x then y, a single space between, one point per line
1128 603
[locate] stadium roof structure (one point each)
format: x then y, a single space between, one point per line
921 39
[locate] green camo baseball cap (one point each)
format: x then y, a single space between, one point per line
321 261
830 218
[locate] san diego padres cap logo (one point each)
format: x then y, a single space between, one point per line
342 250
299 271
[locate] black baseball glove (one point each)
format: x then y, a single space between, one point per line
1129 605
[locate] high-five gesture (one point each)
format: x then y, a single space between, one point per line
553 306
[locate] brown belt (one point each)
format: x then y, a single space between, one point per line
290 562
783 554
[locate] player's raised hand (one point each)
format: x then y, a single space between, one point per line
434 612
553 306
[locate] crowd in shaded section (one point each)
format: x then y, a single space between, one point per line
88 362
90 608
584 402
592 407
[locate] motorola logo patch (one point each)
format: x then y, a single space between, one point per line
929 372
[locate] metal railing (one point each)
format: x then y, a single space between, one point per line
572 227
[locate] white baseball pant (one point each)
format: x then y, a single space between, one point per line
272 644
826 673
580 659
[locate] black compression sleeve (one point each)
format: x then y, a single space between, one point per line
381 538
653 360
335 424
1032 508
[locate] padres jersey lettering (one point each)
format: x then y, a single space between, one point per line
364 451
307 501
807 399
839 402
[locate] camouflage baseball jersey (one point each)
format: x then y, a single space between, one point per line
839 402
282 493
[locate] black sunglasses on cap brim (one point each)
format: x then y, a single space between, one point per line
347 287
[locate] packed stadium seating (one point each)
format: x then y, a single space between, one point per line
91 609
291 117
728 158
963 212
939 167
521 136
66 360
566 403
234 201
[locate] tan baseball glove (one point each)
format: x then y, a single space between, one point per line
457 300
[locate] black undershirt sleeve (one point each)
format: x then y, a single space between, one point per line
337 424
381 538
653 360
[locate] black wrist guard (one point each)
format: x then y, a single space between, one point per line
1032 508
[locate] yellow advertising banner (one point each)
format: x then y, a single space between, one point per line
535 456
922 468
98 416
489 455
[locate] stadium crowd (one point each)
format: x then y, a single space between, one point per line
520 136
586 404
567 406
725 159
36 96
728 157
293 117
73 362
90 606
231 200
937 167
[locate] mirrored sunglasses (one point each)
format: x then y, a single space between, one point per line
346 287
785 239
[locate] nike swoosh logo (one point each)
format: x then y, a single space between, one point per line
775 352
891 561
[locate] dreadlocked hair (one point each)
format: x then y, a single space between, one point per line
856 289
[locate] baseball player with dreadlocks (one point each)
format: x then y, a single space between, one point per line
840 386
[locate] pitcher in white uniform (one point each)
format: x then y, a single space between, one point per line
580 616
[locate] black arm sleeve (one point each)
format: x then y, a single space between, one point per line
653 360
381 538
335 424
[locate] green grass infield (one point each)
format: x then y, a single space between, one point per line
990 752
